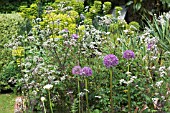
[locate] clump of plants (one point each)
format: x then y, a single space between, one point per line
71 62
11 25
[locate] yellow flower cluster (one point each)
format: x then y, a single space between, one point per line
61 21
19 51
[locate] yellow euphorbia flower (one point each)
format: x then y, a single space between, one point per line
18 51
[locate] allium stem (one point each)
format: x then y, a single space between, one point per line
129 98
111 100
79 93
50 101
87 102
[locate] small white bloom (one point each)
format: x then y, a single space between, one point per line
70 92
168 68
81 94
98 97
158 84
155 100
153 67
42 99
133 77
86 90
156 93
56 82
48 86
162 73
163 97
162 68
121 81
128 73
34 92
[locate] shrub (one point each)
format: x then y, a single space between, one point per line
11 25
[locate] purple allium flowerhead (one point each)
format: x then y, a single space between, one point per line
75 36
110 60
76 70
128 54
86 71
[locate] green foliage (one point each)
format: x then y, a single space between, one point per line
118 9
134 26
106 7
78 6
11 25
61 40
29 12
160 28
74 107
8 6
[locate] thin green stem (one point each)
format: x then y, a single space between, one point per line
44 108
129 98
79 93
111 100
87 102
50 101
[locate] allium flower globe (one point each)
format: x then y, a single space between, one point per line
110 60
76 70
86 71
128 54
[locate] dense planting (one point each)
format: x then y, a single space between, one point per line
83 59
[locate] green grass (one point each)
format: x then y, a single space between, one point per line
7 103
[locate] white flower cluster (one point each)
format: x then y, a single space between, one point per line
127 82
48 86
162 71
158 84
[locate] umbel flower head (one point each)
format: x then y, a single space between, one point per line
76 70
48 86
86 71
110 60
128 54
42 99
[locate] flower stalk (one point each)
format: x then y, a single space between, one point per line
50 101
87 102
129 97
78 83
111 100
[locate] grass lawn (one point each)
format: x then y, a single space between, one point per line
7 103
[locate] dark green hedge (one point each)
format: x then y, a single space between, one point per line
8 6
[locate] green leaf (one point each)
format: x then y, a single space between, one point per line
129 3
138 6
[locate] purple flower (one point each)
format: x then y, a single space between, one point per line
86 71
76 70
110 60
66 30
150 46
75 36
128 54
